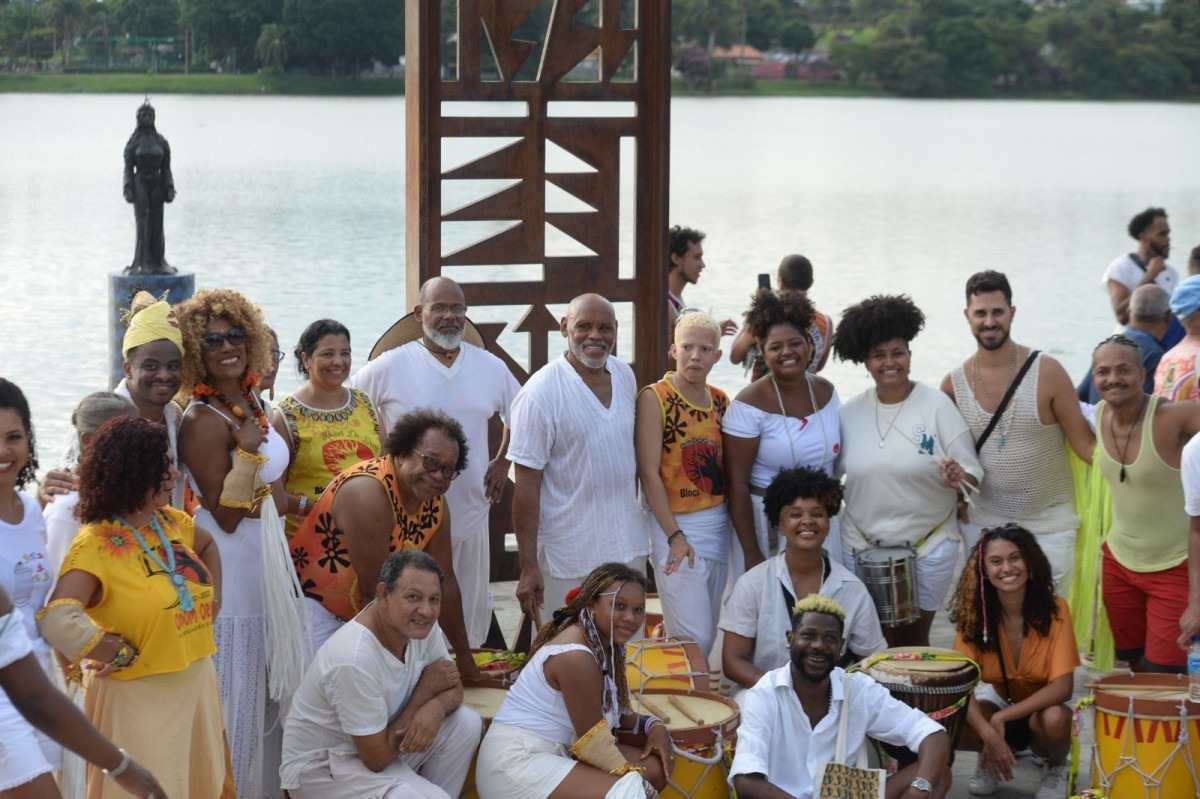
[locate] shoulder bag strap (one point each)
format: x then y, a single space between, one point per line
843 720
1005 400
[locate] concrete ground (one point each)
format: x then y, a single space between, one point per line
1027 774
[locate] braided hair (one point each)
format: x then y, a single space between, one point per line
975 609
578 610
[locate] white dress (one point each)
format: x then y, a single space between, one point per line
254 736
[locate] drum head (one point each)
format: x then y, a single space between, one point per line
484 701
919 665
1152 694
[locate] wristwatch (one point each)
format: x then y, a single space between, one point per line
921 784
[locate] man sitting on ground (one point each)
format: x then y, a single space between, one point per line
379 711
790 719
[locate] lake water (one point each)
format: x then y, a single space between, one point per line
299 203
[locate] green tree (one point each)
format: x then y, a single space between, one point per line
145 17
65 16
271 48
227 31
709 22
344 36
796 36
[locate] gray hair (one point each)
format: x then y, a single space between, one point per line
1149 303
96 409
397 562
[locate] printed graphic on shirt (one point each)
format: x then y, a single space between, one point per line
702 466
29 573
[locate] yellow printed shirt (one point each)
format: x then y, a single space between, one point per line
326 443
692 465
138 601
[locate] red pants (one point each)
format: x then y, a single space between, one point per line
1144 609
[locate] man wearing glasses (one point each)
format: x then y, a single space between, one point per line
442 372
383 505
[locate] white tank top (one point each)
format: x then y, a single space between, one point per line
273 446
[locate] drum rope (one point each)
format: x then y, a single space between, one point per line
708 762
1128 760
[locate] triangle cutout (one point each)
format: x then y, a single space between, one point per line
559 245
459 151
559 201
560 160
489 65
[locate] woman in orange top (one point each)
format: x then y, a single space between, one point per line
1008 619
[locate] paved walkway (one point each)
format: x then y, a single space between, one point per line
1027 774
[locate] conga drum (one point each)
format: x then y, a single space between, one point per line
938 682
666 663
486 702
1147 737
890 575
654 617
703 729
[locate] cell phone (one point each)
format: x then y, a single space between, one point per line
764 281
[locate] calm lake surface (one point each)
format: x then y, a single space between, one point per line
299 203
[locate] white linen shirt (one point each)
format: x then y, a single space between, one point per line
775 738
755 609
589 512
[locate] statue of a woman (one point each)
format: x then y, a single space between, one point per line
148 184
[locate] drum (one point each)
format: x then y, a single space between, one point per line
499 663
936 681
665 663
1147 737
890 575
703 729
486 702
654 617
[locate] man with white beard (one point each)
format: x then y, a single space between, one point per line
575 505
442 372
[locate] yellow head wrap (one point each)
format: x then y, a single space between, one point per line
150 320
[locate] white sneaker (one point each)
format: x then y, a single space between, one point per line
1054 783
983 784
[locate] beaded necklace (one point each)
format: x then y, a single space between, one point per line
177 582
205 393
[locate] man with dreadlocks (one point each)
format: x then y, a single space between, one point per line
791 719
1009 621
1145 569
553 734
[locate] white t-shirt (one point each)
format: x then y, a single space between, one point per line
352 688
786 442
61 527
894 493
1189 471
589 511
776 738
471 390
1125 271
756 609
26 574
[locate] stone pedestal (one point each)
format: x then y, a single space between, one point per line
121 289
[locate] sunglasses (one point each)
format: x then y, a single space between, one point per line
277 356
434 466
214 340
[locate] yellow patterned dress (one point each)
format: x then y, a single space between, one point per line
326 443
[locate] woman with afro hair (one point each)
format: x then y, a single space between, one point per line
235 461
906 455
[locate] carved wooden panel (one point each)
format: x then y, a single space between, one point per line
562 107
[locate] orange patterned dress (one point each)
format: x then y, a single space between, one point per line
321 553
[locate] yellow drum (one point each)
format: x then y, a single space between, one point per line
1147 737
703 729
486 702
654 617
673 664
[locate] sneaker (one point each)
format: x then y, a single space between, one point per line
1054 783
983 784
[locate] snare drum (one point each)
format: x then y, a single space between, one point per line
936 681
665 663
486 702
890 575
1147 737
703 729
654 617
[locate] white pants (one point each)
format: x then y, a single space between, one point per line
437 773
691 597
554 589
472 567
1059 547
322 623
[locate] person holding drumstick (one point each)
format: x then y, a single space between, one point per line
906 454
1009 621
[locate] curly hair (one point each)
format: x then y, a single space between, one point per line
312 336
410 428
976 621
678 239
12 398
768 309
128 459
1143 220
594 585
802 482
872 322
193 316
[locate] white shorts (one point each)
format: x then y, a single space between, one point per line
935 572
25 753
518 764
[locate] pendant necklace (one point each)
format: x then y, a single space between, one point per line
1113 431
177 582
892 424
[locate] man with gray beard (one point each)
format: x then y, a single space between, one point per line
442 372
575 505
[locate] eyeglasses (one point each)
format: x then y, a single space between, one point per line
434 466
214 340
457 309
277 356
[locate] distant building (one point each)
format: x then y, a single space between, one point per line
738 54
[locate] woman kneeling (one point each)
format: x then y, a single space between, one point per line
1010 622
553 734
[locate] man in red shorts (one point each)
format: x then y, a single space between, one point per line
1145 578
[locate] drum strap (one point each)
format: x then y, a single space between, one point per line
1003 668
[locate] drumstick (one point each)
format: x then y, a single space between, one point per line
1134 687
678 705
655 709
